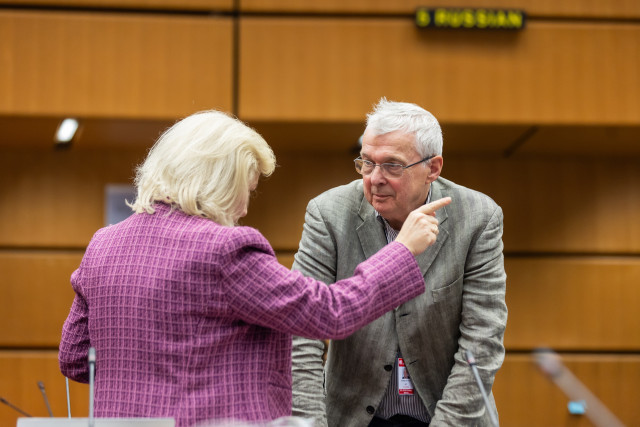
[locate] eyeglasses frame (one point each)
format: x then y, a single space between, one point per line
403 167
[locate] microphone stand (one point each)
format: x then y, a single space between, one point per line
14 407
66 380
550 365
472 362
92 372
44 396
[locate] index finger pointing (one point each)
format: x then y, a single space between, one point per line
430 208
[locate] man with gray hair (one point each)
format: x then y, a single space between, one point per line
408 368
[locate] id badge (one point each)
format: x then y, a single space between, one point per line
405 386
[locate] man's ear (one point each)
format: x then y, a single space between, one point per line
435 166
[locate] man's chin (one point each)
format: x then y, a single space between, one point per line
381 206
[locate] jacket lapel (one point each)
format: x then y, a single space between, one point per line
370 232
425 259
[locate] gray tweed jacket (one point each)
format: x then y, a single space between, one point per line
462 308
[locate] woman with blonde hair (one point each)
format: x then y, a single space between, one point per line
191 316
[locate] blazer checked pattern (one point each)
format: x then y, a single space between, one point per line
463 308
193 320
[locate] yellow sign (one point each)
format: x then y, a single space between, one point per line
478 19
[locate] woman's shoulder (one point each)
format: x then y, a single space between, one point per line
231 238
181 230
240 236
209 232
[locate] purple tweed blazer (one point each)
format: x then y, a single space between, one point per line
193 320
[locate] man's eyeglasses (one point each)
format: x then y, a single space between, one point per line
390 170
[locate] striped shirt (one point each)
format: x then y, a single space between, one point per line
392 402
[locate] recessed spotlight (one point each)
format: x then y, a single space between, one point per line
66 131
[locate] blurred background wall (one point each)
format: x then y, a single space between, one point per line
545 120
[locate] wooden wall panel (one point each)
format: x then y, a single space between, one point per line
281 200
35 296
535 8
596 141
565 303
132 4
297 69
20 372
114 65
285 258
559 204
526 398
55 199
538 9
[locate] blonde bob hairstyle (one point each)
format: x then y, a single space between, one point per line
203 165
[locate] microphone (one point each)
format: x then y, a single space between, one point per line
91 357
472 363
44 396
551 366
12 406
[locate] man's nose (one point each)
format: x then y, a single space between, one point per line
377 177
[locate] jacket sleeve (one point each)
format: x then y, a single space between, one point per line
484 318
262 292
75 343
316 257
